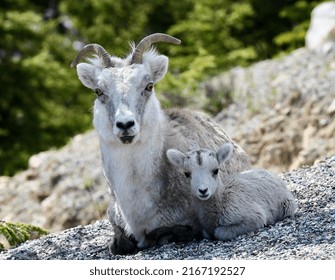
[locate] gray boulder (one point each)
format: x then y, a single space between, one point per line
321 33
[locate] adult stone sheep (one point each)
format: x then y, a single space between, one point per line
150 203
229 205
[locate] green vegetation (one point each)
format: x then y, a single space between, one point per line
17 233
42 102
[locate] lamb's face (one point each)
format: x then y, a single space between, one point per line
201 167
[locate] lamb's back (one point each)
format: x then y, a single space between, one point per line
257 188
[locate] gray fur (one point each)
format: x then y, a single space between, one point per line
229 205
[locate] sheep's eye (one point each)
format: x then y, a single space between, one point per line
98 92
149 87
215 171
187 174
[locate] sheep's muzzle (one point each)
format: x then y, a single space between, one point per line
127 139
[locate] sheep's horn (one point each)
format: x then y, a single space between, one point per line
146 43
97 49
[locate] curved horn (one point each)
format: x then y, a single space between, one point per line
146 43
97 49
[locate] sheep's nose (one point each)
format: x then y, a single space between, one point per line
203 191
125 126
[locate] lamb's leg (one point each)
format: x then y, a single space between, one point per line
287 208
121 244
246 224
225 233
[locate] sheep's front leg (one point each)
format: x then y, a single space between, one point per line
121 244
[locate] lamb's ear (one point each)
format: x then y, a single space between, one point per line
158 66
87 74
224 153
175 157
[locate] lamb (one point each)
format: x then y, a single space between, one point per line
234 204
149 203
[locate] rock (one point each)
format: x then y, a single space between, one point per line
321 32
331 108
61 189
285 119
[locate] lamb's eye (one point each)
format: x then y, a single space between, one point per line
187 174
149 87
98 92
215 171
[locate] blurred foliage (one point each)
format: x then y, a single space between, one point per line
43 103
40 102
17 233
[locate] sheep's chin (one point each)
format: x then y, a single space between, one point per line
128 139
204 197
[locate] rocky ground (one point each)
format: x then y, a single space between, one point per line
309 235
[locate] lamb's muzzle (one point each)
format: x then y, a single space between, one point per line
203 193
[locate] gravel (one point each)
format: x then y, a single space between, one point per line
309 235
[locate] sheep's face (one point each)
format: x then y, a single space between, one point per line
125 105
201 167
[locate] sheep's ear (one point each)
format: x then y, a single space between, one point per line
88 74
224 153
158 66
175 157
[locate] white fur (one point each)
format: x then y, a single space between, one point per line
232 204
128 166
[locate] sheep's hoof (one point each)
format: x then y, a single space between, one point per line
121 244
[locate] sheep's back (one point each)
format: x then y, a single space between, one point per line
189 130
